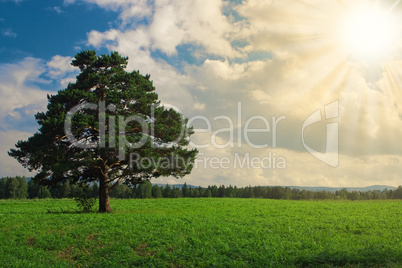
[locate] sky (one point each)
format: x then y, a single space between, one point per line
290 92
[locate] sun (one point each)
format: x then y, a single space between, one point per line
368 32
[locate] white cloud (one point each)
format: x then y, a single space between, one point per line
60 66
15 91
9 166
171 85
261 96
306 72
96 38
136 10
198 22
8 33
20 100
56 9
199 106
175 22
128 9
165 31
65 81
60 69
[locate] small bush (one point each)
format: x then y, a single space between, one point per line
84 198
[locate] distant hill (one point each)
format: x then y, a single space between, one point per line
177 185
314 189
349 189
307 188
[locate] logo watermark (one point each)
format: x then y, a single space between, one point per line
331 155
238 134
243 161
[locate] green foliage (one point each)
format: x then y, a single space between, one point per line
44 192
123 191
84 198
13 188
60 190
156 191
214 232
144 190
176 192
398 193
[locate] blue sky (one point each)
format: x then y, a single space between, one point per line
46 28
273 59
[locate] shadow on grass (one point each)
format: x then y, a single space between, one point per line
68 211
361 258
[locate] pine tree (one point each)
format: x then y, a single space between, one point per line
156 191
185 191
109 128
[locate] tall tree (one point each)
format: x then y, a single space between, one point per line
108 127
44 192
33 189
12 188
144 190
156 191
3 184
22 192
167 191
185 191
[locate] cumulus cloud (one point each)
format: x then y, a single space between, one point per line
60 65
18 90
174 22
20 99
128 9
60 69
307 71
172 85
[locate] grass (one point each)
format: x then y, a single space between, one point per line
202 233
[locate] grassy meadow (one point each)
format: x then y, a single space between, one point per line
202 233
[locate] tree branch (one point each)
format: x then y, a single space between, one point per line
111 188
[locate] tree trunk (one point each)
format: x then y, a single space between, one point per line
104 204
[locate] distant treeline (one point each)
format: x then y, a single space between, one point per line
18 188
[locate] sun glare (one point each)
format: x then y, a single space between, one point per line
368 33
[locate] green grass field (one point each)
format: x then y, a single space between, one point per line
202 233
